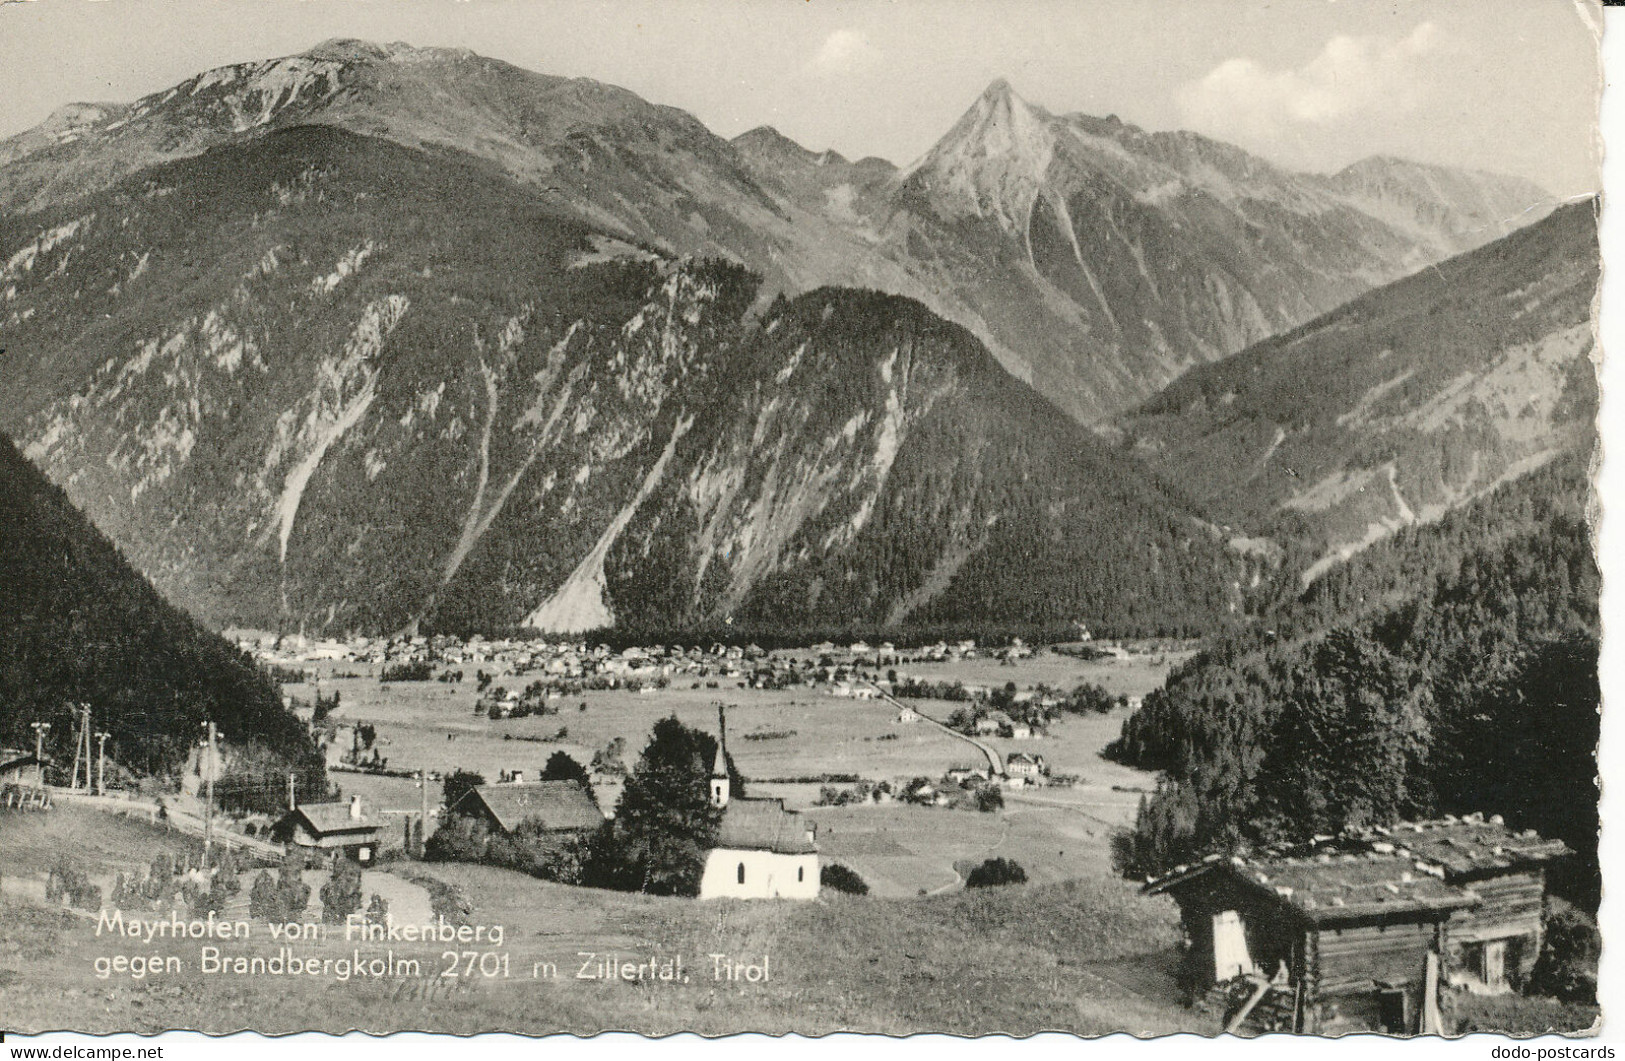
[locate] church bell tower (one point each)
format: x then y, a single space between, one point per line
719 769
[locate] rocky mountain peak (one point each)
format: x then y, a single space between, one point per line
992 162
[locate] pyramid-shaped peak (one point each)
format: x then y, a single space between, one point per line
1001 89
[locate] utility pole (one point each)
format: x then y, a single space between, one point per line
101 763
293 801
81 749
208 804
40 730
423 818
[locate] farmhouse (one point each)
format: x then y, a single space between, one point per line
563 807
1363 931
339 828
763 851
1022 764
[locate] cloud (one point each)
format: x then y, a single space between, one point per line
843 52
1352 81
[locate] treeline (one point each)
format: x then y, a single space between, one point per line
1390 571
1477 691
78 625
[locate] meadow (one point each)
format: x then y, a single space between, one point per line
1081 956
1057 833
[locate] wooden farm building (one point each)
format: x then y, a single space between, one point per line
22 780
1497 941
547 806
338 828
1363 931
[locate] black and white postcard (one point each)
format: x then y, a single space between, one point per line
914 517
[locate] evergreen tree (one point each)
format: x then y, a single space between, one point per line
665 822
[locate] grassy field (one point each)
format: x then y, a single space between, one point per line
1019 960
1056 833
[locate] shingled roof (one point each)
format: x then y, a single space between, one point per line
556 805
764 825
1465 848
328 818
1328 887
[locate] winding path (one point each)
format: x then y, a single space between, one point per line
992 756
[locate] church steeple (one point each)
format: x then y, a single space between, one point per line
719 769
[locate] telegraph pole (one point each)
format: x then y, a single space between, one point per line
40 730
208 804
81 749
423 818
101 763
293 800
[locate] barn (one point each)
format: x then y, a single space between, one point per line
562 807
1363 931
1326 941
22 780
1495 944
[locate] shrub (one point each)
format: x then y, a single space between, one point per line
341 895
989 799
73 885
459 839
414 671
1567 967
265 899
842 879
995 872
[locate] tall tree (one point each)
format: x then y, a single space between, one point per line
665 821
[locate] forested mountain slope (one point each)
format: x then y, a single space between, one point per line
1475 690
1398 407
77 625
322 381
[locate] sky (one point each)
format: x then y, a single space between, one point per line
1502 85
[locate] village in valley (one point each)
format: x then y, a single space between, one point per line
903 774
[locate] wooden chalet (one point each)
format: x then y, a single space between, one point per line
546 806
1329 942
1496 943
1363 931
336 828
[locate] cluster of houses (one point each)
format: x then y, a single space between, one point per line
1367 930
763 851
840 669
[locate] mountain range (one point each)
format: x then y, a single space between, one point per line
1401 405
378 338
1097 261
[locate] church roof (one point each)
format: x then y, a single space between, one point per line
764 825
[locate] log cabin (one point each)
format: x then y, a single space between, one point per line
1493 946
557 807
335 829
1335 941
1364 931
